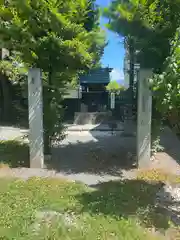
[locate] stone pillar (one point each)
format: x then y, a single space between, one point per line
144 113
35 118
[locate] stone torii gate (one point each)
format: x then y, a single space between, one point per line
144 102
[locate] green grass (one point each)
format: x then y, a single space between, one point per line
158 175
113 211
14 154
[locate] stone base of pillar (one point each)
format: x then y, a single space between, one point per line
47 160
129 128
37 162
47 157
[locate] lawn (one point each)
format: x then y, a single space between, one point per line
55 209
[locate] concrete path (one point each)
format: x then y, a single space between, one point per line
94 127
11 133
88 179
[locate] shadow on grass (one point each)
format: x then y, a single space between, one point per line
124 199
14 154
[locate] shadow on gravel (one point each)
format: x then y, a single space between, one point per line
101 155
170 143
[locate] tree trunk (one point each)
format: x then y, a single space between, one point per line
47 137
128 125
131 71
6 99
47 143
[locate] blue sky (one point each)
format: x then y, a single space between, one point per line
114 52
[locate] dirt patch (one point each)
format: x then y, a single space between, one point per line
47 218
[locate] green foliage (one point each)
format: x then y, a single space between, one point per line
53 111
92 16
156 127
166 86
61 37
52 34
114 86
150 23
92 22
13 69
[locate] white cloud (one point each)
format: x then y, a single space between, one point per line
117 74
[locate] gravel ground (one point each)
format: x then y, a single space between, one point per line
87 156
94 156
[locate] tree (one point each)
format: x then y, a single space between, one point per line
92 23
151 24
11 73
166 86
92 16
51 35
115 87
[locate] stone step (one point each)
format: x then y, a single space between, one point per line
91 117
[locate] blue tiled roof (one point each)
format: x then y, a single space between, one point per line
101 75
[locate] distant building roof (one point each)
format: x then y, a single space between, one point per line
100 75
